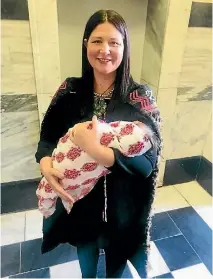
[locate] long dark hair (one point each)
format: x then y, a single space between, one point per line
123 76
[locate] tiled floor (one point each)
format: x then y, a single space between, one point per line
181 245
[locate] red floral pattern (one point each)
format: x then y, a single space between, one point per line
71 174
73 187
107 138
73 169
64 138
59 157
90 180
115 124
127 130
89 167
104 172
136 148
74 153
48 188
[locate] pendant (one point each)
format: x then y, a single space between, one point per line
99 107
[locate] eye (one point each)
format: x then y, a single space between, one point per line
114 43
96 42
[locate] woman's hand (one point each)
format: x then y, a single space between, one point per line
87 139
83 137
54 178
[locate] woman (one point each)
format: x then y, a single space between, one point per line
115 215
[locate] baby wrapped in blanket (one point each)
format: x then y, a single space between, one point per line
81 172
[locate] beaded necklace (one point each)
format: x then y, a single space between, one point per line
100 104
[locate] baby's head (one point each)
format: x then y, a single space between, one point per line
145 122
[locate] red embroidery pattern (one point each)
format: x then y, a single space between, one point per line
59 157
88 181
115 124
62 86
135 148
73 187
106 139
64 138
105 172
71 174
74 153
89 167
127 130
48 188
143 100
73 170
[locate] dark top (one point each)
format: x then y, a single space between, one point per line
130 186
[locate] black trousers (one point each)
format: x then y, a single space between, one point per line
115 261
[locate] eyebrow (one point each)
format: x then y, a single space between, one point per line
102 38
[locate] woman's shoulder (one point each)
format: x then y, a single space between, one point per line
70 84
67 89
141 97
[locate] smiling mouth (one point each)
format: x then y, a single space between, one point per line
103 60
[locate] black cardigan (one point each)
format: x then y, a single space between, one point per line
129 192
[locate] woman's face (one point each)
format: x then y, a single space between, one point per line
105 48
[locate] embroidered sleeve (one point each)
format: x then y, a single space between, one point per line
143 99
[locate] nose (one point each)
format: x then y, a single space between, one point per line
105 48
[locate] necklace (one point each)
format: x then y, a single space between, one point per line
104 94
100 105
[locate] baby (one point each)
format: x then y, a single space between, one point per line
81 172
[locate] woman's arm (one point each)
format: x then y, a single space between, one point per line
143 100
142 164
101 154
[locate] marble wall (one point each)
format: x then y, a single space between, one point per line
193 113
156 22
162 58
19 108
17 59
45 47
177 65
